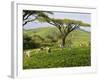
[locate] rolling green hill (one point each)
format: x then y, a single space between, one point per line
49 30
41 31
76 36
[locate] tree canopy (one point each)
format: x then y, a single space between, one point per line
65 26
35 15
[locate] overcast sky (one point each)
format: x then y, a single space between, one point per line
85 17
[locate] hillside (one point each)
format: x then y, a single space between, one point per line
41 31
49 30
76 35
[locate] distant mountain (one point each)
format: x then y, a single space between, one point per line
85 29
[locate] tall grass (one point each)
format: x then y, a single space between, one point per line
58 58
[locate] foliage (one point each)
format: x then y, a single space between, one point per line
27 14
72 54
65 26
37 38
28 43
52 38
76 36
58 58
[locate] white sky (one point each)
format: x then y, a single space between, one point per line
85 17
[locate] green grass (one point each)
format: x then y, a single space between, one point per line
66 57
41 31
58 58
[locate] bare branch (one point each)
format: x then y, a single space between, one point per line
27 16
29 21
75 27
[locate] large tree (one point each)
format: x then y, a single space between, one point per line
30 15
65 26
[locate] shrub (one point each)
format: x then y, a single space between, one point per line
29 43
52 38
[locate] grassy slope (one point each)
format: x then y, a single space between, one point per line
77 36
59 58
40 31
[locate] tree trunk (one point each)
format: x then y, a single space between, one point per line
63 42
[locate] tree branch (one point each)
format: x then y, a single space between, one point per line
27 16
29 21
73 28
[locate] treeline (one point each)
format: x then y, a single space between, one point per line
37 41
50 40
